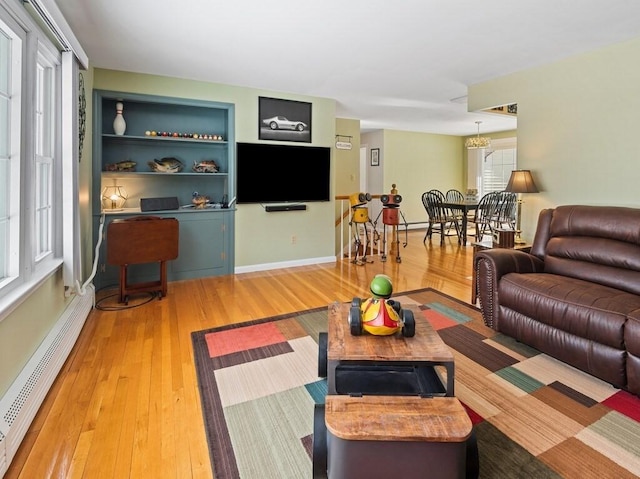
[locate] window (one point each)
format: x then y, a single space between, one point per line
30 167
44 157
497 165
11 44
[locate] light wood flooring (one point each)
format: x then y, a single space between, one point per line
126 403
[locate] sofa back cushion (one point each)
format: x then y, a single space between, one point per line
600 244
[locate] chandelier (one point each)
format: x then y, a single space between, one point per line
476 142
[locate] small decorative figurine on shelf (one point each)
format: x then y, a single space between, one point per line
199 201
205 166
166 165
119 125
380 315
126 165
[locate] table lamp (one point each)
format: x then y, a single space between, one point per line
113 198
520 182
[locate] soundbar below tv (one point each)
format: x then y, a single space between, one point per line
270 173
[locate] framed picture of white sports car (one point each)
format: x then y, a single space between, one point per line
284 120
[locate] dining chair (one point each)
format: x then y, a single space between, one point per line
439 217
440 194
454 196
504 212
483 215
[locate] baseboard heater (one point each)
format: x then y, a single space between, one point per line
24 397
273 208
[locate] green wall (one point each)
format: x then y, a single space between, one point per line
347 175
260 238
577 127
418 162
22 331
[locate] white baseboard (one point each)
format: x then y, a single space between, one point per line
22 400
284 264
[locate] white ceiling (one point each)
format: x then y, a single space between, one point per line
394 65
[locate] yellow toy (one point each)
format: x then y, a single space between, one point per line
380 315
360 217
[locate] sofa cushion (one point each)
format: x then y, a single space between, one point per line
581 308
594 243
632 343
601 260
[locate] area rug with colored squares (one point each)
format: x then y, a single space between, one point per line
533 416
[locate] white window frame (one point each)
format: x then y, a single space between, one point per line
11 197
45 154
35 240
500 173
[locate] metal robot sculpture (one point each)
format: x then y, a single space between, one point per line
360 218
391 215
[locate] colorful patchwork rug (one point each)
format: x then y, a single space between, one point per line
533 415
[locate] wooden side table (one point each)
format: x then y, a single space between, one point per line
484 245
142 239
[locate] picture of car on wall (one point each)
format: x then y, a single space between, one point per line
284 120
282 123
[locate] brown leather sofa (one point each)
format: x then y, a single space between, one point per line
576 295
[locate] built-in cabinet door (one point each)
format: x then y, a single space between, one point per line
202 246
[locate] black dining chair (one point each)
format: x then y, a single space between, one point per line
484 214
504 212
454 196
440 194
439 217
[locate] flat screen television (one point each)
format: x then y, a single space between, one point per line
270 173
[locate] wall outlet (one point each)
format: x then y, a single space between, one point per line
294 239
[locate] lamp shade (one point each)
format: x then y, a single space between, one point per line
521 181
478 141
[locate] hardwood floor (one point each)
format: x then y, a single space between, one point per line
126 404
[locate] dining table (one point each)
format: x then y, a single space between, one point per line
464 207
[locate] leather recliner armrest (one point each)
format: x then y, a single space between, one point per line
490 266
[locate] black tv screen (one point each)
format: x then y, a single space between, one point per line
268 173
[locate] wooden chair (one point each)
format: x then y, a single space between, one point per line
454 195
504 212
440 194
439 216
484 214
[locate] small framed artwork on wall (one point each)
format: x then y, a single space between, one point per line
284 120
375 157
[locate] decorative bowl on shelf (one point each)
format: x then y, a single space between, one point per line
199 201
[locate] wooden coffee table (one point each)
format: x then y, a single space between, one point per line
383 437
374 424
369 364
